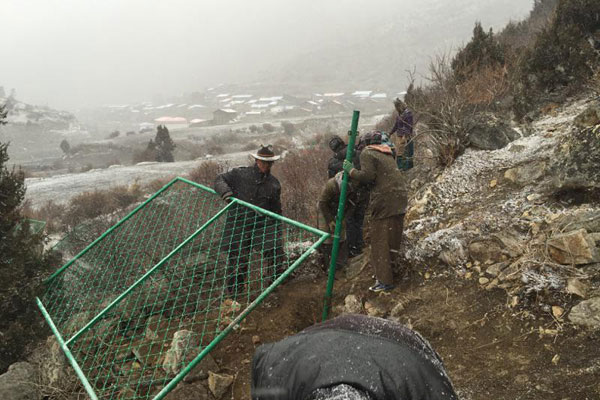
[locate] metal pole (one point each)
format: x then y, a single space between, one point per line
65 349
340 216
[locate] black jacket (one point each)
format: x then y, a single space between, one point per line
382 358
252 186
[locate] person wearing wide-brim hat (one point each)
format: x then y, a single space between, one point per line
245 228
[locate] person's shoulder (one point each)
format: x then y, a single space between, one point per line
274 181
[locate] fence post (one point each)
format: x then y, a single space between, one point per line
340 216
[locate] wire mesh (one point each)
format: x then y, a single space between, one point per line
147 297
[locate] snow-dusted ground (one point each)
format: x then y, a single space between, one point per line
61 188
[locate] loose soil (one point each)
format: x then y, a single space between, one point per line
491 351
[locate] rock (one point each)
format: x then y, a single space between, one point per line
397 310
496 269
491 133
576 161
525 174
219 384
201 370
255 340
557 312
54 367
575 247
374 308
511 273
589 117
586 313
483 281
152 328
578 219
356 265
486 250
20 382
493 183
575 286
352 305
184 347
76 322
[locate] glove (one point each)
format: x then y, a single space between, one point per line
332 226
348 166
227 196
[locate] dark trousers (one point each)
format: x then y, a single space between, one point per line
405 160
354 229
386 238
342 257
243 235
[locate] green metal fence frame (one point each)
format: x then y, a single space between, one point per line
340 217
171 385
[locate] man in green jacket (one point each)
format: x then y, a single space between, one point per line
327 214
386 208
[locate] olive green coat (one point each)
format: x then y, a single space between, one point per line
388 193
328 205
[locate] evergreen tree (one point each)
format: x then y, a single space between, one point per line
65 146
164 145
482 51
22 267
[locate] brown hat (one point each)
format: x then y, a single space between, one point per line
265 153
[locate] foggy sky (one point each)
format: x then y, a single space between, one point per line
77 53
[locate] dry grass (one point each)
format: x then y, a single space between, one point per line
485 86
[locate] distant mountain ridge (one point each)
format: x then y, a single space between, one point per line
406 39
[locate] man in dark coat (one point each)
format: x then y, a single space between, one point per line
245 228
354 221
351 357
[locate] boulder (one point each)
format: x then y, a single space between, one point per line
54 367
219 384
576 161
20 382
184 347
202 369
586 313
575 247
491 133
486 251
352 305
525 174
589 117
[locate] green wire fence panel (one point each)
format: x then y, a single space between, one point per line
147 300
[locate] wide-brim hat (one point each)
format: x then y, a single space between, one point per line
265 153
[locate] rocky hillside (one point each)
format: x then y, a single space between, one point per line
524 218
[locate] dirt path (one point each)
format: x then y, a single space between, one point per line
490 350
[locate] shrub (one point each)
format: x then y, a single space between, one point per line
302 175
253 128
65 146
206 172
114 134
268 127
288 127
